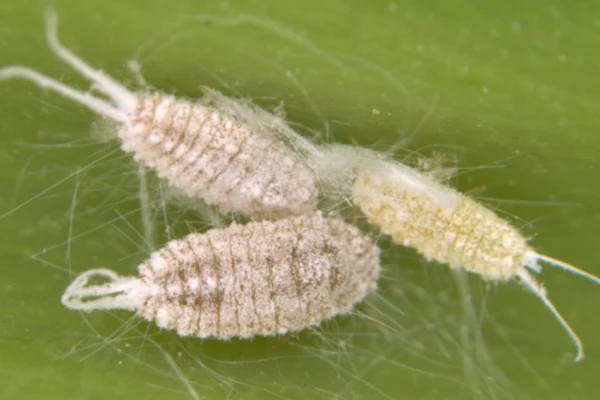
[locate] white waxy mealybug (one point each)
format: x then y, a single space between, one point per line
227 153
262 278
439 222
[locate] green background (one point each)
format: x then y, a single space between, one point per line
505 91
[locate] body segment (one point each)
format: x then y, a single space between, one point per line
440 223
214 153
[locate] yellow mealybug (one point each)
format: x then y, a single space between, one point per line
439 222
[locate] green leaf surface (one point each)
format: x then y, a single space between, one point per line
507 92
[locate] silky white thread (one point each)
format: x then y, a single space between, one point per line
262 278
436 220
228 153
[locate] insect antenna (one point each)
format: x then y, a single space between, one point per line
540 292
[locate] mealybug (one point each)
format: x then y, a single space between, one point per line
228 153
439 222
262 278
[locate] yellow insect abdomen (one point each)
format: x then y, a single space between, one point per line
440 223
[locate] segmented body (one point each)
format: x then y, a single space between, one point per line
262 278
214 154
441 223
